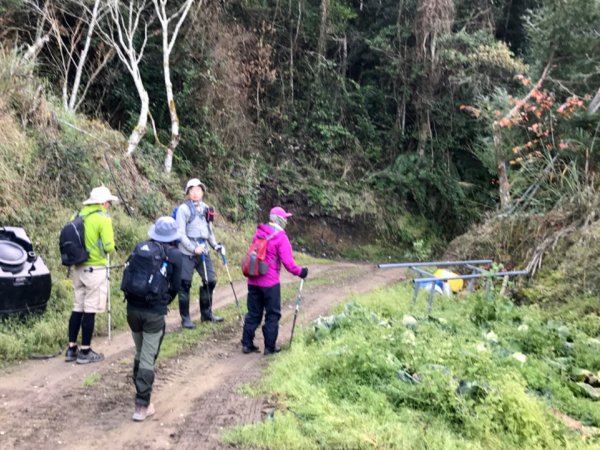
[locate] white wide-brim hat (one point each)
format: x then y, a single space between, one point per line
164 230
100 195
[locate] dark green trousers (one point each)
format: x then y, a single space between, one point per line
147 329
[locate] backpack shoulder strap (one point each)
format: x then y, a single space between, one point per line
193 212
163 252
272 235
102 213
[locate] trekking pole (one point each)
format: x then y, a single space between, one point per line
107 267
108 289
237 302
298 300
206 285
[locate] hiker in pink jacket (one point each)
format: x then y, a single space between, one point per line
264 291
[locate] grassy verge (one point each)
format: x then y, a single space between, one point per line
364 379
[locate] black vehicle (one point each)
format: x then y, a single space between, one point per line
25 281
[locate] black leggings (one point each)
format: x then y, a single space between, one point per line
85 321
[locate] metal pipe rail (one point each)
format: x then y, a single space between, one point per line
433 263
469 277
471 264
417 282
427 277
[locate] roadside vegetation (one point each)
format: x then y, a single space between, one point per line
479 373
390 128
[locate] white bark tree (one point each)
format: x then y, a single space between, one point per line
168 41
93 21
126 21
73 64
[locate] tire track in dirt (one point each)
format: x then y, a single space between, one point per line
44 405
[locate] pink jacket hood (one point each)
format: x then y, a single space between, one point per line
279 252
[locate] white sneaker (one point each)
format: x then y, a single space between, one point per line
143 411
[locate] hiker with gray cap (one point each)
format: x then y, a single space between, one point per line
151 280
195 224
89 278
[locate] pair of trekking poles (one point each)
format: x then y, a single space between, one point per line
237 302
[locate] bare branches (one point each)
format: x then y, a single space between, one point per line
161 11
67 21
122 28
83 56
503 183
168 42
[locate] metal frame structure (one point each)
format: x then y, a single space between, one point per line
427 277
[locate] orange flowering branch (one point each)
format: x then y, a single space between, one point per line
506 120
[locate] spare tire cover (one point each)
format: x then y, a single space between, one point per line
12 254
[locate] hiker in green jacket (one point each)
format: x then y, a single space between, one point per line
89 278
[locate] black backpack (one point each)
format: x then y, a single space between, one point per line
145 273
72 241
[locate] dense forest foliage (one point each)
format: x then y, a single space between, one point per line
399 120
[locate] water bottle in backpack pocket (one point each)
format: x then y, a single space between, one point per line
145 274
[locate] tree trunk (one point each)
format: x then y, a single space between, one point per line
174 141
501 171
323 29
140 129
434 19
167 47
424 130
595 103
34 49
293 40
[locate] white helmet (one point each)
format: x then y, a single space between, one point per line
194 182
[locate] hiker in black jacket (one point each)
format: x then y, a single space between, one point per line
146 315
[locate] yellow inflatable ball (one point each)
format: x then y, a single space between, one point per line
455 285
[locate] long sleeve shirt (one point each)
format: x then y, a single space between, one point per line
195 232
99 234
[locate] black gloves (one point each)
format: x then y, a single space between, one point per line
304 272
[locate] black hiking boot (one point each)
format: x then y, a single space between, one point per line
186 322
211 318
271 351
250 349
184 312
71 354
90 357
206 314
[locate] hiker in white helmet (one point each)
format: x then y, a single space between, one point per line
195 224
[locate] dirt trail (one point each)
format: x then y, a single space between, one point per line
43 404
